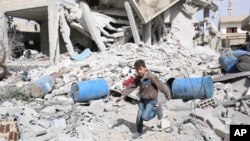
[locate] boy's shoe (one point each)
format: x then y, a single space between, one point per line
159 112
136 135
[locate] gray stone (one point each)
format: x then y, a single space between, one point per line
228 113
38 130
240 118
221 131
202 114
25 120
96 107
179 105
108 107
214 122
44 123
59 123
48 110
216 112
3 111
7 104
225 121
30 112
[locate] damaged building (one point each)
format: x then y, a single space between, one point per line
78 59
67 25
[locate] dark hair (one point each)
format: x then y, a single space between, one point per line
139 63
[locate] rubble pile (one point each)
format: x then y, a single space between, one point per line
43 102
56 116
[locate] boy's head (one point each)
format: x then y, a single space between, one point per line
140 67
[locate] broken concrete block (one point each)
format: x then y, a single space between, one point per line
84 133
96 107
214 122
7 104
179 105
25 120
202 114
44 123
221 132
59 123
30 112
38 130
3 111
125 71
216 112
108 107
225 121
240 118
227 137
2 138
228 113
165 123
48 110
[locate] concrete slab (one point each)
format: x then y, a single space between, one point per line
240 118
38 130
96 107
202 114
214 123
149 9
222 132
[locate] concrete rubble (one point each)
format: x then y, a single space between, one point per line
57 116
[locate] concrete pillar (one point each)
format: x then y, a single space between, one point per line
4 47
167 16
44 37
132 23
53 24
88 19
146 33
182 25
206 31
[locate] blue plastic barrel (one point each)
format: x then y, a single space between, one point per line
228 63
89 90
42 86
238 53
192 88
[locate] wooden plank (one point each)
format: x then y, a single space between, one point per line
232 76
149 9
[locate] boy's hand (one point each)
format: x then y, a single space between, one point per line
168 97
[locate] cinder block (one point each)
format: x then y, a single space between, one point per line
207 103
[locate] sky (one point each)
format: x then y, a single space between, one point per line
240 8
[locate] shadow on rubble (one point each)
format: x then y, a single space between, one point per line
130 125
